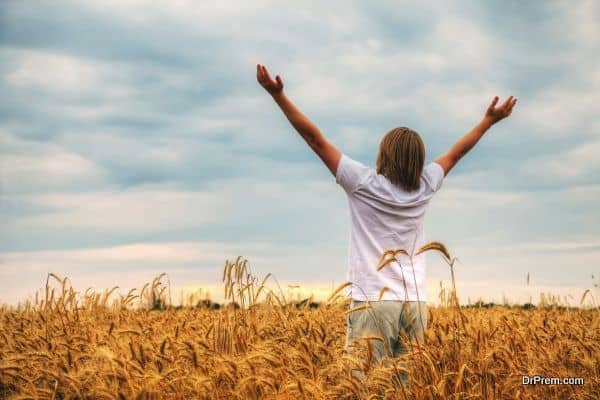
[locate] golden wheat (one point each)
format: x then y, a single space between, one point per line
261 345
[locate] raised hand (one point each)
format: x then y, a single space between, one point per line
272 86
495 114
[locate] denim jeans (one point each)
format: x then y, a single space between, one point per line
395 322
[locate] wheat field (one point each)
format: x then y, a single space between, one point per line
69 345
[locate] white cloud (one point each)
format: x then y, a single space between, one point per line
451 198
582 23
51 169
449 45
590 244
130 210
188 264
581 161
161 208
338 62
127 150
198 265
561 111
61 74
27 164
135 255
185 9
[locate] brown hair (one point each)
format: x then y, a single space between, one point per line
401 158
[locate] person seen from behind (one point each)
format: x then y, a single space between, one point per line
387 208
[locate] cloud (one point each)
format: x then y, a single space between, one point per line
577 164
559 111
56 73
144 210
222 210
488 218
27 164
195 264
191 266
136 122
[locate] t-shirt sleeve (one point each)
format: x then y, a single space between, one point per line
434 175
351 173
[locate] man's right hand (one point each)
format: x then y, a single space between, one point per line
495 114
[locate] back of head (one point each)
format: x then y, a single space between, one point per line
401 158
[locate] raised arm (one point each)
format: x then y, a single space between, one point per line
493 114
309 131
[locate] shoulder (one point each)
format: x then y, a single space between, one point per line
433 175
350 173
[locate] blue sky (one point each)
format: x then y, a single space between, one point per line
134 138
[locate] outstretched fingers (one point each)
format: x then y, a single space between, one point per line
506 103
263 74
511 105
502 111
493 103
259 73
266 74
264 78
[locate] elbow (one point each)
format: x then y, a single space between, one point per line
453 157
314 141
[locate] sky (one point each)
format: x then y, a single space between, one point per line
135 140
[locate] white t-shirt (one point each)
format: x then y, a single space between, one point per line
384 216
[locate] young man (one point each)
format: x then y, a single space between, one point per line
387 207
